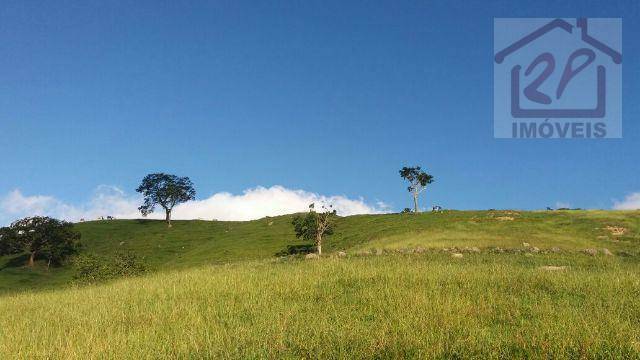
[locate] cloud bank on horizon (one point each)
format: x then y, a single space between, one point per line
630 202
252 204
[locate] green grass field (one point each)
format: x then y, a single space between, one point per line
218 290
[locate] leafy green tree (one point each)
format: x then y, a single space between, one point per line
43 236
165 190
66 244
418 181
313 226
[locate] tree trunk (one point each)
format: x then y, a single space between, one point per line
415 203
319 244
168 218
32 258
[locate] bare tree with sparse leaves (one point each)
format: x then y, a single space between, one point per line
314 225
418 181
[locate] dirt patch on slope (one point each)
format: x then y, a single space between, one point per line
616 230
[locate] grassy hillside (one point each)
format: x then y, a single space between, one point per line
420 305
219 291
194 243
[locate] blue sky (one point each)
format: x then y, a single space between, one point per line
331 97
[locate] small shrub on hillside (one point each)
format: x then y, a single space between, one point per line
91 268
406 211
128 264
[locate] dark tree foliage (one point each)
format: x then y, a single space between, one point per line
165 190
314 225
7 242
418 181
44 237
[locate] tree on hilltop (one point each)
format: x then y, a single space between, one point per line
165 190
314 226
418 181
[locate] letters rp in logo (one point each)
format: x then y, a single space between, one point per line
557 78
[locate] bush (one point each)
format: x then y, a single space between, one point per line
91 268
128 264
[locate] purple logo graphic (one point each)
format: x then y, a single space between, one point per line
554 79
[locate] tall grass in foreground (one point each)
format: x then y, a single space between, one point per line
429 305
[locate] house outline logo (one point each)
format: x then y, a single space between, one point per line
537 91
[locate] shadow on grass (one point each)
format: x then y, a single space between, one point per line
145 221
16 261
296 250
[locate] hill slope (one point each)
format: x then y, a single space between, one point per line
512 303
194 243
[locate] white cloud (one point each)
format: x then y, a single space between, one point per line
630 202
251 204
562 205
106 200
